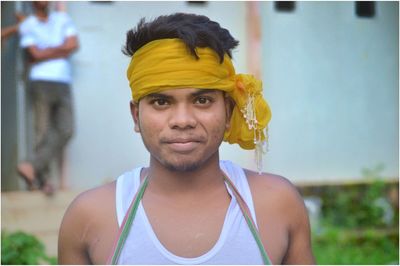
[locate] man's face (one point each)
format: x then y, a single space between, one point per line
182 128
41 5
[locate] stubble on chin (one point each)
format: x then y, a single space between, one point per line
181 166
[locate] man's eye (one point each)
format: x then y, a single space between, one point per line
159 102
203 100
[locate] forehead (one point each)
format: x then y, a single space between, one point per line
185 92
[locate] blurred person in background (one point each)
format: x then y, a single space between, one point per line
48 39
8 31
188 206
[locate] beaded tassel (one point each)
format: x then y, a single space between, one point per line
249 115
260 149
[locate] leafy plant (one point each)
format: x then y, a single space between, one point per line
337 246
22 248
357 224
353 207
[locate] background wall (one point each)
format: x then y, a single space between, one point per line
330 77
332 81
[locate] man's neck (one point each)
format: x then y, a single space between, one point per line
167 182
42 14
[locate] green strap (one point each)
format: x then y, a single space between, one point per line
127 224
250 222
131 213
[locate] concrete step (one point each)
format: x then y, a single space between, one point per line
33 212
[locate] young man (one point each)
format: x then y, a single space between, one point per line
48 38
187 206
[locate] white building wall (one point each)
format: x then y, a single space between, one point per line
332 81
105 144
330 77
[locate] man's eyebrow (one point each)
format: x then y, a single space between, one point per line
159 95
197 93
200 92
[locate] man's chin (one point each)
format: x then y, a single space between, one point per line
182 166
184 163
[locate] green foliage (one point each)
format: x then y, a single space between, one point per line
22 248
337 246
356 207
353 229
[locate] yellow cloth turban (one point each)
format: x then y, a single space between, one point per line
167 63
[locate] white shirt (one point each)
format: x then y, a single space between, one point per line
235 245
50 33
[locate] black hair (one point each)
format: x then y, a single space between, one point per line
193 30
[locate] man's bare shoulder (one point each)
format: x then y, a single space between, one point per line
267 188
91 204
93 197
282 217
270 182
84 221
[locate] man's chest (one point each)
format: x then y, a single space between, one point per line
187 231
48 34
183 233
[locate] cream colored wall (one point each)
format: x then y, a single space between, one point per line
333 84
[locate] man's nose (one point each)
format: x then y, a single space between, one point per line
182 117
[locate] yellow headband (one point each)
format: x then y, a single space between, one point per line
167 63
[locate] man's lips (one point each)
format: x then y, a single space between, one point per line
183 145
181 140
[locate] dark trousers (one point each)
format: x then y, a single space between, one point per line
53 114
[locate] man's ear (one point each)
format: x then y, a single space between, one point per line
229 105
135 114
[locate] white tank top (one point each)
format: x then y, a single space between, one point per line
235 245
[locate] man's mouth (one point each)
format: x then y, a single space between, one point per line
182 145
182 140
